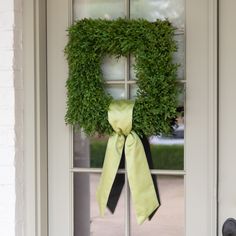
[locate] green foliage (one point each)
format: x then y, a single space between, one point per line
152 45
169 157
97 153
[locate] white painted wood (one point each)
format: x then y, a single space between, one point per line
201 122
122 171
35 117
227 111
59 135
29 120
201 113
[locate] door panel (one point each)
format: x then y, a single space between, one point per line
200 111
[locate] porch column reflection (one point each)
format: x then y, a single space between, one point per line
81 185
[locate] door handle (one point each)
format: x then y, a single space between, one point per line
229 227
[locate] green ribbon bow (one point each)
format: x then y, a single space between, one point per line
139 176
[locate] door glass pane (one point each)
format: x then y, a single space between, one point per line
108 9
159 9
113 68
97 151
173 10
167 151
81 145
169 219
116 91
86 213
132 69
179 56
133 91
89 152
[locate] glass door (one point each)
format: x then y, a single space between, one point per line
167 152
183 162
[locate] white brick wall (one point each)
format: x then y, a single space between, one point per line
11 119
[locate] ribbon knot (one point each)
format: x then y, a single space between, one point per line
140 180
120 116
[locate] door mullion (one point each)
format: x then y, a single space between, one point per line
127 207
127 190
127 95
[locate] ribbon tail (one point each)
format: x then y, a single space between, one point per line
147 150
117 187
111 163
140 180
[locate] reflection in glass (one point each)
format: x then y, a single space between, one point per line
97 151
159 9
167 152
108 9
132 70
81 204
181 98
81 149
116 91
87 220
113 68
179 56
89 152
133 91
169 219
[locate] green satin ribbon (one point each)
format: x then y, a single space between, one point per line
140 181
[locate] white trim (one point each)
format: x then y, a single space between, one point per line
122 171
227 111
60 180
199 73
35 128
201 170
213 116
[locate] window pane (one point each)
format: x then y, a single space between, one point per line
169 218
87 220
162 9
116 91
132 70
179 56
81 147
133 91
108 9
168 150
113 68
159 9
89 152
166 153
97 151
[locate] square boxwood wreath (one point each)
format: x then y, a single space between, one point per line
152 45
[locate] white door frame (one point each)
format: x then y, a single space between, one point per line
227 110
201 31
35 118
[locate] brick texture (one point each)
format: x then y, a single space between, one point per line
11 119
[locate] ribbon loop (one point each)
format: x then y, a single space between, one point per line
140 181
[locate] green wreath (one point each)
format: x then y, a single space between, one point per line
152 45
